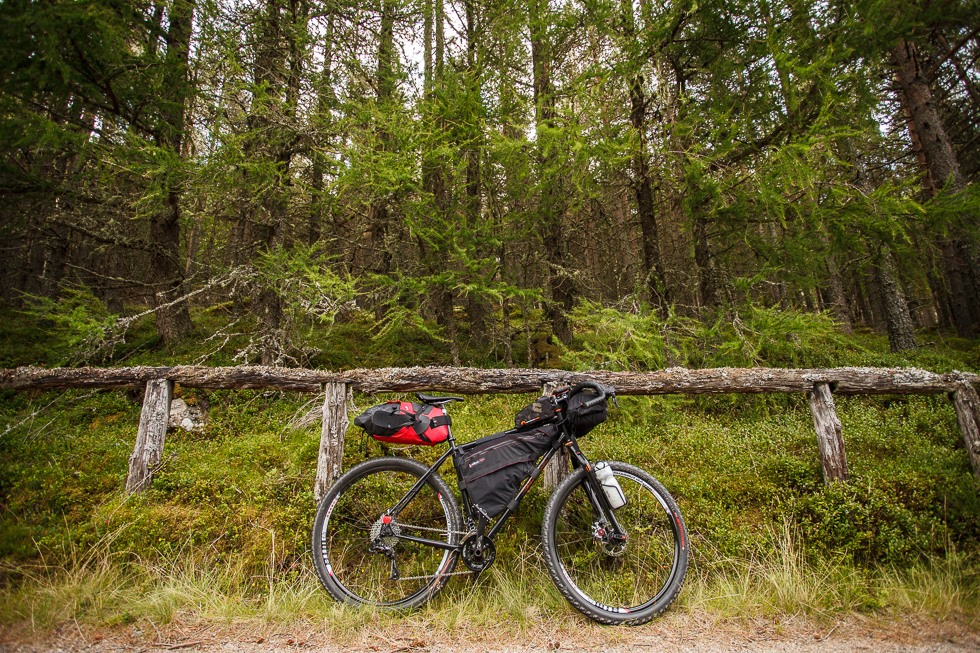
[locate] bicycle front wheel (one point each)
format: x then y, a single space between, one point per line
627 583
361 558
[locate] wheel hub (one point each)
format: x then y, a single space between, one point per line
607 540
387 529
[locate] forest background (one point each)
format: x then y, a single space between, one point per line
629 185
463 162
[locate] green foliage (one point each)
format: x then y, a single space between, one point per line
311 295
406 336
745 336
302 276
863 521
79 320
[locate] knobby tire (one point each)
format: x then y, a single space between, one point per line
613 586
349 519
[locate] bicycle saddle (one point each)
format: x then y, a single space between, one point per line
431 399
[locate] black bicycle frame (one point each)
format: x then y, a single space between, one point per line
565 439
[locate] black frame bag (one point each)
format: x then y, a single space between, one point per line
496 466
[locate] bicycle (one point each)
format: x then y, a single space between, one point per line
390 533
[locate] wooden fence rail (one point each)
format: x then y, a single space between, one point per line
819 385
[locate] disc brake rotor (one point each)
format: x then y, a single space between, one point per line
603 538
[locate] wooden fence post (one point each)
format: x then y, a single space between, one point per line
331 459
829 439
968 417
152 433
559 467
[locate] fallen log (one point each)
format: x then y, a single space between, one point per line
817 384
468 380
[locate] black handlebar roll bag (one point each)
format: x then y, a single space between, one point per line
496 466
583 418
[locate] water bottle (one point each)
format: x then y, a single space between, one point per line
610 485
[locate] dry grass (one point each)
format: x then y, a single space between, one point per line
514 597
785 582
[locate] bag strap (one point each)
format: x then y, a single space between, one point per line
391 419
394 418
441 420
431 422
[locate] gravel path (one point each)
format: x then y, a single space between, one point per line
671 634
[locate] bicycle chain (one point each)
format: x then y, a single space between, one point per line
455 573
434 530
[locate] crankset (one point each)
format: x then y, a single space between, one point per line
478 552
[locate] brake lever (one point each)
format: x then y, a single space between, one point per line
610 392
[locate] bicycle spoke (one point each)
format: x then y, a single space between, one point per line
611 581
364 559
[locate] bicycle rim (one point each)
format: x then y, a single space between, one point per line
356 573
632 583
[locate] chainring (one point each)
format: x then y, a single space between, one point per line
478 561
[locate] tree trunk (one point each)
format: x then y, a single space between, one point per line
901 334
835 291
863 302
476 303
943 175
876 300
656 277
268 308
940 299
325 101
702 262
446 314
378 214
277 72
553 241
166 274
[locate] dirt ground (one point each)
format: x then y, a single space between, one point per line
673 633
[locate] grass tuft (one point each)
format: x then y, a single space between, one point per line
515 597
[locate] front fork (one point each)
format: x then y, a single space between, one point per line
608 528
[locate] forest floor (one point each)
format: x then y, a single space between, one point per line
672 633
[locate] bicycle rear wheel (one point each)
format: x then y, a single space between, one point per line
348 527
629 583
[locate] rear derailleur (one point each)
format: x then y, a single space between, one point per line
384 536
